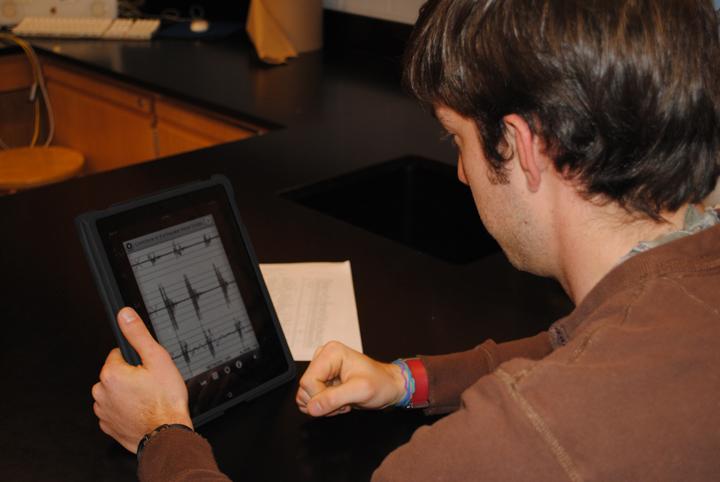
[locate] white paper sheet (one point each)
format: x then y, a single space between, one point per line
315 303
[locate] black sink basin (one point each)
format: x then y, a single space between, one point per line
412 200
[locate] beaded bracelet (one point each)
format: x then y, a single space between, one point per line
406 400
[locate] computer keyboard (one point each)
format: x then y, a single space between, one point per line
87 27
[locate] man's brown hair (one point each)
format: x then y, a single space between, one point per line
624 93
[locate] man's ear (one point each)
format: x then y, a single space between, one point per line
523 143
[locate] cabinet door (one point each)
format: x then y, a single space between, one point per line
17 114
110 125
15 73
181 128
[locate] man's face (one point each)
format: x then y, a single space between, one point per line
506 209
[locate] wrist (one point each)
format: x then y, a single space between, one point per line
408 384
399 384
170 416
157 430
416 384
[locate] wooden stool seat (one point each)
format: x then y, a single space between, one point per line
26 167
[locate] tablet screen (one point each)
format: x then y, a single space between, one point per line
191 295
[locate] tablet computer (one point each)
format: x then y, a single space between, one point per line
182 258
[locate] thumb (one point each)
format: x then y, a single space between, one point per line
134 330
336 397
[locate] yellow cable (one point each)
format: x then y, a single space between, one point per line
36 123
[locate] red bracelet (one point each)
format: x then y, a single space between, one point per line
420 399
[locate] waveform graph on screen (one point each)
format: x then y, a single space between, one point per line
191 295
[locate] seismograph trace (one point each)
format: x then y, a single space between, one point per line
191 295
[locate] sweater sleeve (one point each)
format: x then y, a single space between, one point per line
180 456
450 375
175 455
492 436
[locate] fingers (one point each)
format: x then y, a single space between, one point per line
323 371
113 367
327 365
302 398
340 411
338 398
137 334
98 392
100 412
317 352
115 358
340 378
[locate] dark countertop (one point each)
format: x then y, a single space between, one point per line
228 77
330 115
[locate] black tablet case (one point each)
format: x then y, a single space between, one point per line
113 301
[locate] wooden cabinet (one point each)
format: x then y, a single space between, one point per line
112 123
109 124
16 112
15 73
180 128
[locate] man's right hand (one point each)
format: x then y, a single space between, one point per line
131 401
340 378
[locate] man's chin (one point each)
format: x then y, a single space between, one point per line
522 262
517 261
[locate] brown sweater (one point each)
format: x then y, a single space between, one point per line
631 391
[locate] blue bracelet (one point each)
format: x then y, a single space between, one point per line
409 383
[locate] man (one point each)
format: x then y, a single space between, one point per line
588 132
